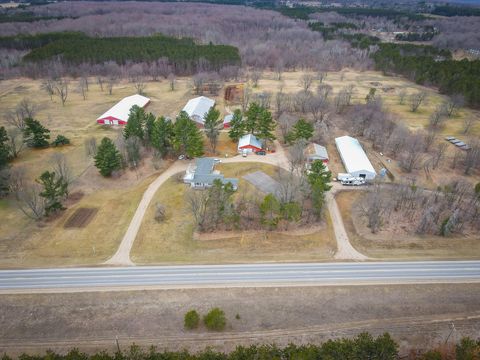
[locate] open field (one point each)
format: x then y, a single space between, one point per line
415 315
172 241
28 243
25 242
387 87
384 245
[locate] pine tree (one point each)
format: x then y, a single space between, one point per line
108 158
136 123
319 178
161 137
237 126
187 139
149 123
35 135
301 130
212 127
4 148
252 116
54 190
266 126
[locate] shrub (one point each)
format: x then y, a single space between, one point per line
215 320
60 141
191 320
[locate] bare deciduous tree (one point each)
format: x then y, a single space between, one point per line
255 76
402 95
61 167
90 146
160 212
82 88
111 81
306 81
29 201
15 141
24 109
413 152
172 80
416 99
61 89
468 123
453 104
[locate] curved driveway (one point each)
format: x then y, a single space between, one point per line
122 257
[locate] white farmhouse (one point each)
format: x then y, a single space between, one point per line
354 158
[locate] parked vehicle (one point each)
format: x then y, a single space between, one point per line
244 153
262 152
353 181
181 157
217 161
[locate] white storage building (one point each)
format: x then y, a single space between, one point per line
118 113
354 158
197 108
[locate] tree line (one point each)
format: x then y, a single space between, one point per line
452 10
304 12
77 48
428 65
361 347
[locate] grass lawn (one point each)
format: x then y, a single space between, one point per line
172 241
412 247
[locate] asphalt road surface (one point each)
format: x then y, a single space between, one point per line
238 275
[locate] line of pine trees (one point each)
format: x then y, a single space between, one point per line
363 346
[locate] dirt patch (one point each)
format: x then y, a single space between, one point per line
234 93
263 182
81 218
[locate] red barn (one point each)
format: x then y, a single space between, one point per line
249 143
118 113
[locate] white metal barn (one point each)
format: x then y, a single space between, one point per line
197 108
118 114
354 158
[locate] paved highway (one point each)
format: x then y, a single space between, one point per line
70 279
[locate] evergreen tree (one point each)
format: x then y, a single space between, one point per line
108 158
35 134
301 130
212 127
252 118
136 123
4 148
237 126
319 178
265 126
187 139
149 123
161 137
270 211
54 190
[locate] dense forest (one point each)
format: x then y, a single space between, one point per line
430 66
449 10
362 347
303 13
78 48
25 16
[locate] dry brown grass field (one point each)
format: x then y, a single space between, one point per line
387 245
173 242
25 242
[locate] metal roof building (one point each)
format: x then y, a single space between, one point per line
202 175
315 151
354 158
249 143
118 113
197 108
